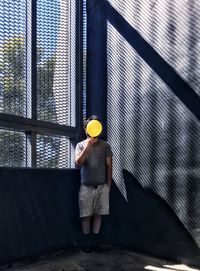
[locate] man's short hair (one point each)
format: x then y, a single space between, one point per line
93 117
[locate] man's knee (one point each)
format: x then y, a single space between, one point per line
96 216
86 218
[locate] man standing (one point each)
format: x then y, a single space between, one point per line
94 157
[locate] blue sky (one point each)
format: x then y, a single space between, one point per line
48 14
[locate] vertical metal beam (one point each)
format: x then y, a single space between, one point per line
79 69
34 59
33 150
34 79
97 61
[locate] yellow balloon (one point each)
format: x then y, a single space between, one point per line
94 128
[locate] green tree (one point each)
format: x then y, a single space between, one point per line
12 71
13 99
46 103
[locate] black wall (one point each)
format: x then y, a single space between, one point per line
38 212
39 215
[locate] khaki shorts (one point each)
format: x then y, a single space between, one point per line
94 200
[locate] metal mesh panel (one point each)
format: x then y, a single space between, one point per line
53 151
170 27
12 148
56 61
13 57
153 134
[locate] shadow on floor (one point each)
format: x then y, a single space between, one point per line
110 259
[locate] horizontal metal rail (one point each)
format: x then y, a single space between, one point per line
41 127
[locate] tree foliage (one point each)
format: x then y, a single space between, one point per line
12 70
13 98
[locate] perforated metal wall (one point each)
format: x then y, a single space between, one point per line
154 134
53 151
84 58
12 148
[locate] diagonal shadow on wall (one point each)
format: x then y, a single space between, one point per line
181 241
180 88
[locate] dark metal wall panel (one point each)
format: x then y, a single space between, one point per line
39 212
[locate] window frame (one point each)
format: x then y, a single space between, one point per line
32 126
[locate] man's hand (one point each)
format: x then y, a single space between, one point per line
90 141
109 171
82 156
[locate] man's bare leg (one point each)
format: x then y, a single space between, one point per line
96 224
95 230
86 224
86 228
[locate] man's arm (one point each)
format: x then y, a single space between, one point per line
109 170
80 158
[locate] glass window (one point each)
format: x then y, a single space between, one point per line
38 40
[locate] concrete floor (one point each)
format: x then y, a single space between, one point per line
111 259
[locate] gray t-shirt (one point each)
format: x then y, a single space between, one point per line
93 171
